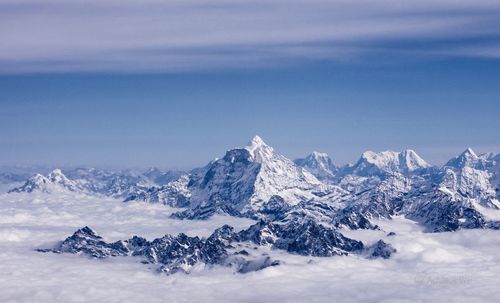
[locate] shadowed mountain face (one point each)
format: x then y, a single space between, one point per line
224 247
319 164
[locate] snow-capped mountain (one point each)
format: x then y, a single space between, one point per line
257 182
469 159
175 193
386 163
245 179
55 181
319 164
293 211
377 182
473 177
270 174
88 181
462 195
108 183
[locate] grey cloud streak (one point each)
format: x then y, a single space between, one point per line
149 35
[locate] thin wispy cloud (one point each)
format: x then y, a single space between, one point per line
150 36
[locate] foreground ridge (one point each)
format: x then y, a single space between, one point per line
224 247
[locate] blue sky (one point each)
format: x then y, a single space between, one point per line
175 84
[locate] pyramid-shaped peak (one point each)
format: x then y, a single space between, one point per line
256 141
469 152
467 158
410 153
57 176
257 144
412 160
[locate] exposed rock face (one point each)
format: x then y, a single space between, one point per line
224 247
380 250
205 212
352 219
309 238
172 254
86 241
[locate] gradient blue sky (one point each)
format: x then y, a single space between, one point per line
175 84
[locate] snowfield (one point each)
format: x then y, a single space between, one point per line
461 266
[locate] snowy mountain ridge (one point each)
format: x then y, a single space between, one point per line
92 181
386 163
257 182
55 181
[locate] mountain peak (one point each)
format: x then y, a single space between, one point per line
258 149
57 172
379 159
256 142
412 160
319 164
388 162
469 152
319 155
58 176
467 158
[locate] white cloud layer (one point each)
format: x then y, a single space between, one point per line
448 267
153 35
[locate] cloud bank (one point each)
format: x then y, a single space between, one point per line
165 36
461 266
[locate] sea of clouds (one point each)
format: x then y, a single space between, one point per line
462 266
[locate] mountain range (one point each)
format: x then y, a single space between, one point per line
257 182
300 206
94 181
